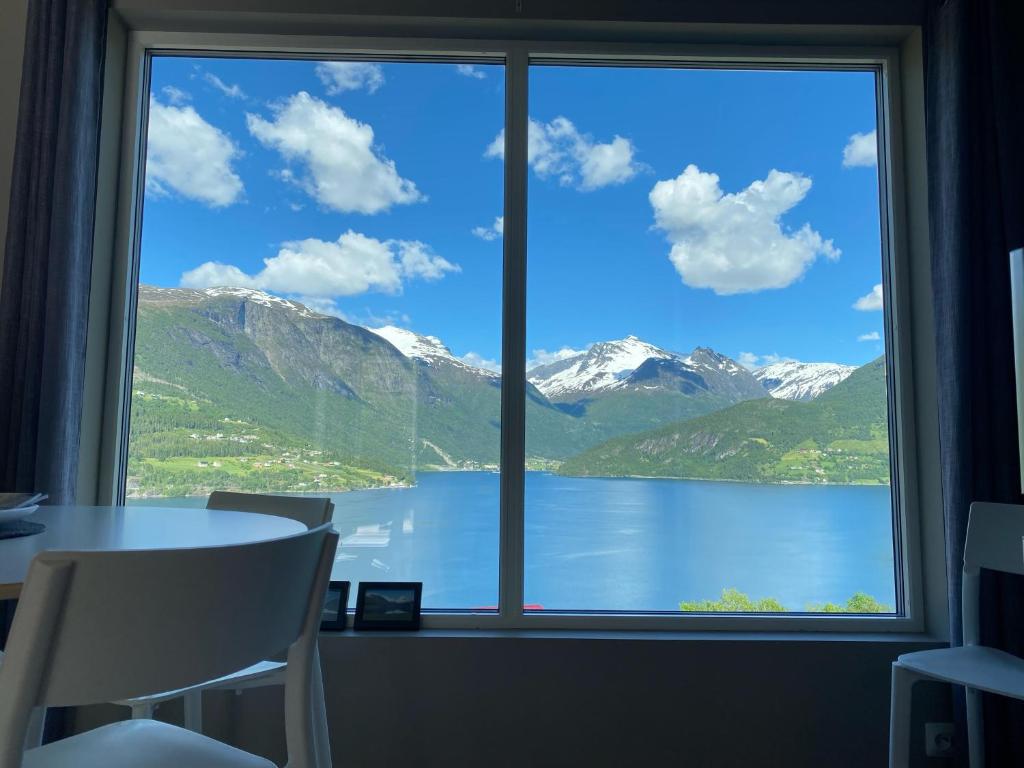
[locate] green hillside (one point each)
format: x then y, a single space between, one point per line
841 437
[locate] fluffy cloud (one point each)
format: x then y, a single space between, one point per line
736 242
478 361
316 269
861 150
187 155
872 302
493 232
558 149
343 170
752 362
341 76
233 91
468 70
175 95
873 336
543 357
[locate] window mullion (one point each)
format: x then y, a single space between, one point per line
513 349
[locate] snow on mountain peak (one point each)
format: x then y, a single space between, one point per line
603 366
793 380
429 349
257 296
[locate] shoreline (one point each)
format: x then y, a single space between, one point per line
406 486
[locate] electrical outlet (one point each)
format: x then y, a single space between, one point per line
938 739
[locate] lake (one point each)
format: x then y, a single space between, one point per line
619 544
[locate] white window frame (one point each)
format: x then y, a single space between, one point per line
917 547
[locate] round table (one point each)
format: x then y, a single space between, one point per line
73 527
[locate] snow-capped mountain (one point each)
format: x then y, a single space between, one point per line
603 366
793 380
428 349
633 364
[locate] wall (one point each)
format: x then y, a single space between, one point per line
450 700
12 46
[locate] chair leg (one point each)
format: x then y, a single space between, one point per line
36 724
975 730
142 711
899 715
194 711
321 737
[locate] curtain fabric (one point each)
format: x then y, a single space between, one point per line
44 294
974 78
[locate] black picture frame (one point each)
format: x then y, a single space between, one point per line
334 617
374 596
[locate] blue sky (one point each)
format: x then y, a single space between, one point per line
736 210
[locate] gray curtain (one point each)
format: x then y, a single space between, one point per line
44 301
974 103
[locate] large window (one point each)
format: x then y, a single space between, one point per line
706 338
318 305
688 265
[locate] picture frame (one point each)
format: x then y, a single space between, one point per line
388 605
334 617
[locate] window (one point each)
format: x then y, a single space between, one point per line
708 428
674 395
317 312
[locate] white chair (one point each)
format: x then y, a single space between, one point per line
311 512
995 540
99 626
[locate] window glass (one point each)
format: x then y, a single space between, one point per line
707 424
319 305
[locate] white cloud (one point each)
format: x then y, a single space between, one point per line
861 150
175 95
343 169
468 70
478 361
543 357
752 362
736 242
873 336
493 232
233 91
187 155
872 302
558 149
312 268
322 304
341 76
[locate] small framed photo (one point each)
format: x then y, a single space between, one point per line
335 613
388 605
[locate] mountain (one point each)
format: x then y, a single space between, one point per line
635 365
428 349
793 380
234 388
840 436
603 366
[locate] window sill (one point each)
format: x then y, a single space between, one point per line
895 638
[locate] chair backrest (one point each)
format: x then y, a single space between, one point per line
995 540
308 510
101 626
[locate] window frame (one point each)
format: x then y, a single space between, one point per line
116 279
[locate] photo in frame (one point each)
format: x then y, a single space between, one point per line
389 605
334 617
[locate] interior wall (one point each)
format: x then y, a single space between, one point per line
12 48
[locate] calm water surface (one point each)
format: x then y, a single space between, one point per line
619 544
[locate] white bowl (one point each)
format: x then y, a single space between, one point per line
18 513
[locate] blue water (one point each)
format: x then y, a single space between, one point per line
619 544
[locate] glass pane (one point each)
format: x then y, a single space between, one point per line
707 413
319 305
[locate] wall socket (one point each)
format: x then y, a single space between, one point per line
938 739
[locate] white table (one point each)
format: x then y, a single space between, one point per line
117 528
